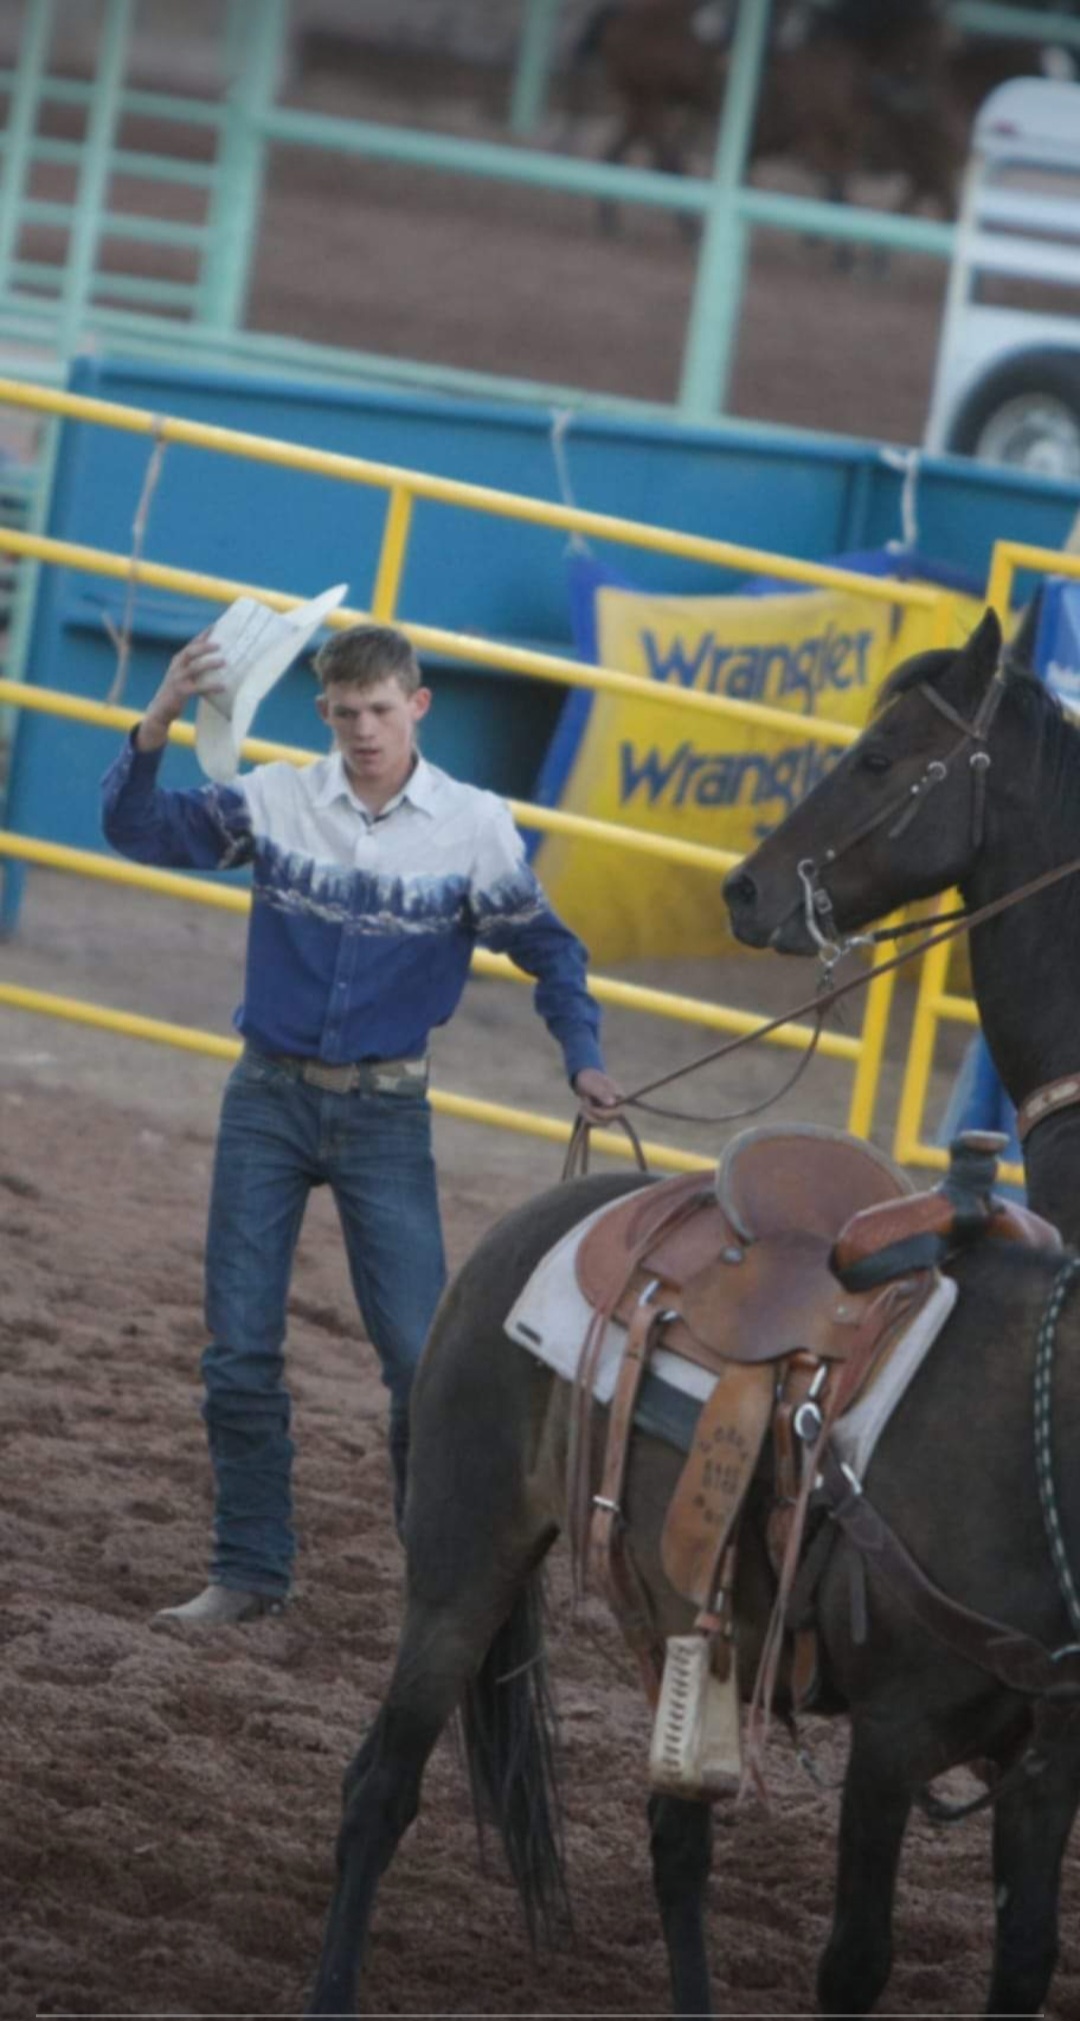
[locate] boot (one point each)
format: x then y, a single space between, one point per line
221 1607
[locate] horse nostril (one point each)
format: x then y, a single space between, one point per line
740 889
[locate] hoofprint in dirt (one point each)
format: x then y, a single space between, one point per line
168 1811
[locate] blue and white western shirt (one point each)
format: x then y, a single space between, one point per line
361 927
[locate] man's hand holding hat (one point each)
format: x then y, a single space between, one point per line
231 668
190 672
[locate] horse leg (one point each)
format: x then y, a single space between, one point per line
472 1635
381 1799
608 217
844 254
1031 1830
857 1959
472 1647
670 157
680 1841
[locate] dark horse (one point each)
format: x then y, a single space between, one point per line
954 1474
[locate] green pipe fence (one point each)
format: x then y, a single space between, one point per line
1022 24
255 52
714 312
24 94
532 73
88 214
204 313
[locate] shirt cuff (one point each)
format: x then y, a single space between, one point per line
146 764
581 1050
133 763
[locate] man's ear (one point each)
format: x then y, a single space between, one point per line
321 706
419 704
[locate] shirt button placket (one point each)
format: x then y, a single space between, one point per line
338 1004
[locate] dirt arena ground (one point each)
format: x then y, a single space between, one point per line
167 1809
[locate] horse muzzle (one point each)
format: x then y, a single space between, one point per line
755 925
791 936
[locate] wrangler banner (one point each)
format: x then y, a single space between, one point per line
726 783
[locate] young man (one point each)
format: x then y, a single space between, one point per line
374 875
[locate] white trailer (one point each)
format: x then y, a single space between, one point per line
1007 380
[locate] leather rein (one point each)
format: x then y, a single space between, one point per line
818 913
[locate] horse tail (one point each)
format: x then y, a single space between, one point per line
510 1742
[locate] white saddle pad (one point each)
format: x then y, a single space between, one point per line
860 1428
551 1317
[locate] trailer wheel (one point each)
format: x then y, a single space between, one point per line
1025 414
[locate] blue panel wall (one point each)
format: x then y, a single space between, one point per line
963 507
785 491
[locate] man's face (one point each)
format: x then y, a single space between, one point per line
374 728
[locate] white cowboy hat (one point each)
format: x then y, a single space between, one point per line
258 644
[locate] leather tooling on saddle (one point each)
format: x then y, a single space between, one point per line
793 1279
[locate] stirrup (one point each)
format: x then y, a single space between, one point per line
696 1747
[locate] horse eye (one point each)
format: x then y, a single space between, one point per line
875 759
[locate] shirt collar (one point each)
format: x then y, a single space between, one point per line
418 790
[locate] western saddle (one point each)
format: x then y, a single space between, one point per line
788 1275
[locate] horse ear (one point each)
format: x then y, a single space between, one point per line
983 649
976 662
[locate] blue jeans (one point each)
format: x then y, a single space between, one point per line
279 1137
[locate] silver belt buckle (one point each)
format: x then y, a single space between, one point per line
381 1077
333 1080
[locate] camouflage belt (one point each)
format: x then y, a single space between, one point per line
371 1077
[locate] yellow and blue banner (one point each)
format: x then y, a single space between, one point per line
722 782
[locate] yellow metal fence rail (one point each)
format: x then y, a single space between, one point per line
606 989
404 487
461 1108
864 1052
935 1003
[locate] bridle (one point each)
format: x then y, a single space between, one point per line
817 903
900 813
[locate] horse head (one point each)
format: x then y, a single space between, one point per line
899 817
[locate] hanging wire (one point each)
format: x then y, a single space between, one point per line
909 461
122 638
561 421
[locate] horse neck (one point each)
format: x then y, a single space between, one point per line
1026 963
1052 1165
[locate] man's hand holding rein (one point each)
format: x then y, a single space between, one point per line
600 1099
